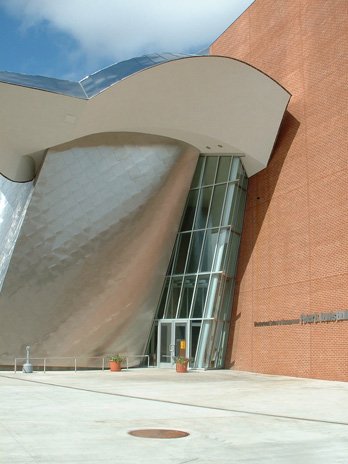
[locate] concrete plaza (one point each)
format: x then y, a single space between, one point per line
231 417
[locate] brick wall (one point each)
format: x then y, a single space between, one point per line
294 250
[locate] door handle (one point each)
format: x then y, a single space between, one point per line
171 347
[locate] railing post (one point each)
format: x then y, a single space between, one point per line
15 366
44 365
75 365
27 366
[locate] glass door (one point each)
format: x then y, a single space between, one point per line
165 347
172 341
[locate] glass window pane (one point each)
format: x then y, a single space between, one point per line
245 181
219 263
195 329
163 300
184 241
170 267
231 189
235 168
209 170
233 219
210 240
216 206
186 297
200 296
189 215
213 298
152 345
197 177
195 251
203 208
241 171
165 353
222 346
226 304
202 354
180 334
240 212
233 254
217 348
223 169
173 297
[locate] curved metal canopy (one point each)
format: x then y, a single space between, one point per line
91 85
216 104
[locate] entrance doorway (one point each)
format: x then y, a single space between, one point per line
173 340
175 337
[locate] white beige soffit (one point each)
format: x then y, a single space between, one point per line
216 104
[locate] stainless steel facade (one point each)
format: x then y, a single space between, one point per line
88 266
95 83
14 200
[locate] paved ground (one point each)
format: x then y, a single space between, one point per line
232 417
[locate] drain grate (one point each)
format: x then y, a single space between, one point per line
158 433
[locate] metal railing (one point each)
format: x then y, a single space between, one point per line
138 356
75 359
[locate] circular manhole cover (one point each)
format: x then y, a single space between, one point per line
158 433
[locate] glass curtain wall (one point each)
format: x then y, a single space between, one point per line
200 278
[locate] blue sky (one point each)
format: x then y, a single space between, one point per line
69 39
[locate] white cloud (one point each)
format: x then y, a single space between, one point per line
121 29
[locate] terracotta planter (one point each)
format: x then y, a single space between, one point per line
181 368
115 366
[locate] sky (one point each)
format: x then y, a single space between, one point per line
69 39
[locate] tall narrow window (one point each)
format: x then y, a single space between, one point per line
198 288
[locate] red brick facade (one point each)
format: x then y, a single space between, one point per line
294 250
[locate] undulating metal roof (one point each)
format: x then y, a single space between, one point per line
91 85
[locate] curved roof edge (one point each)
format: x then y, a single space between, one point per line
94 83
213 103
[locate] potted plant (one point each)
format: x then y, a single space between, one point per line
181 364
115 363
